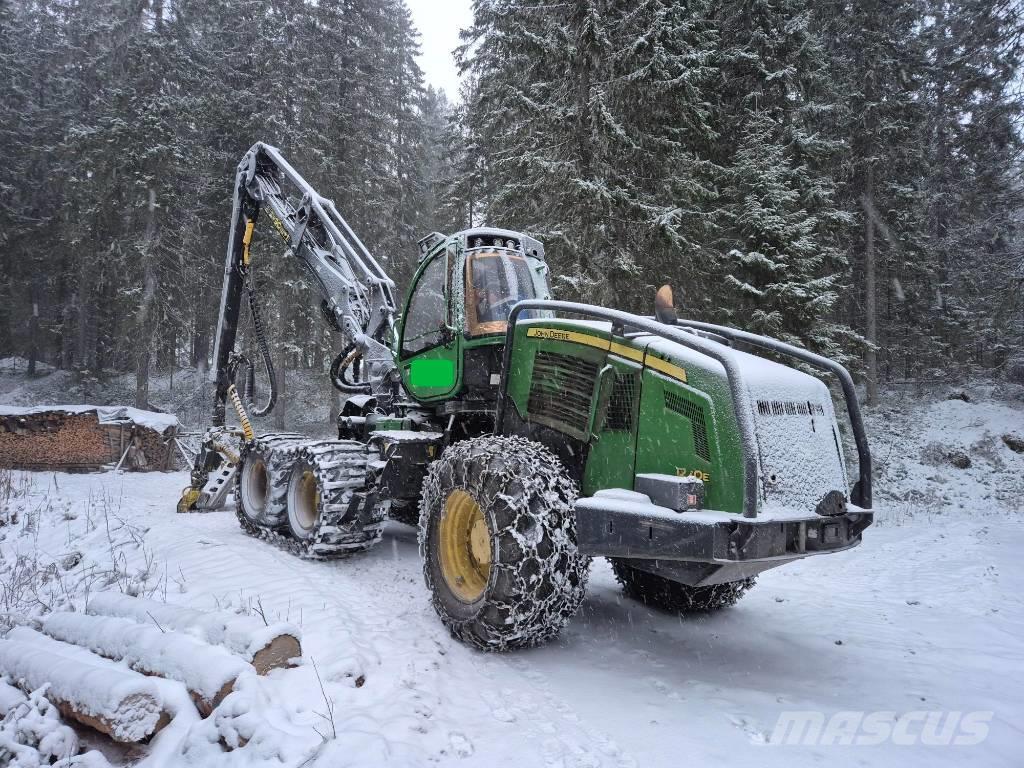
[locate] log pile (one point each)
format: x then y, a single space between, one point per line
98 668
208 672
51 440
82 440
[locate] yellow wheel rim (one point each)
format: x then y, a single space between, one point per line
308 500
465 547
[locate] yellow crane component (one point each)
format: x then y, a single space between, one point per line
243 417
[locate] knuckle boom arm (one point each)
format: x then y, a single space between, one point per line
358 296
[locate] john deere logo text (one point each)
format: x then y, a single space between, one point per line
550 333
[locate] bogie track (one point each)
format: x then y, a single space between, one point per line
339 516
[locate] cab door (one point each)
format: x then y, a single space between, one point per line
429 353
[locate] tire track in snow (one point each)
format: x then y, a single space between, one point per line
372 611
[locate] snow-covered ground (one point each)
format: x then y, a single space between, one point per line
926 617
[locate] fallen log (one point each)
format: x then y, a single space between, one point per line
209 672
265 646
84 687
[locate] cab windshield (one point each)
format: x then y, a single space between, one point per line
496 279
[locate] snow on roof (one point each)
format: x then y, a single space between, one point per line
109 414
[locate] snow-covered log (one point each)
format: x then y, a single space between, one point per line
265 646
208 671
94 691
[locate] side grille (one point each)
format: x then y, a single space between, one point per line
562 389
620 406
788 408
695 414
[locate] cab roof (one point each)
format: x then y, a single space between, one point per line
529 246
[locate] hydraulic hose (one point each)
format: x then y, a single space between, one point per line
264 352
347 359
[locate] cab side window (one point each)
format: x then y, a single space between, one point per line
427 310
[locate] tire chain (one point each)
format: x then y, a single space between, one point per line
275 448
667 595
340 468
538 567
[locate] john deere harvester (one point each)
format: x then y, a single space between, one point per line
523 435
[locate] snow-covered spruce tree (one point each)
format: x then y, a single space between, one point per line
541 111
40 104
877 64
665 230
591 123
973 106
406 182
777 205
778 274
12 96
466 180
435 159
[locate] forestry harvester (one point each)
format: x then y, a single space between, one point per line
525 435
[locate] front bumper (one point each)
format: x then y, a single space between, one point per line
625 524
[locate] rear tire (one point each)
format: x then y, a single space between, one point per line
262 480
253 488
327 500
498 541
667 595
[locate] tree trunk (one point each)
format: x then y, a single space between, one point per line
282 363
33 331
870 312
144 318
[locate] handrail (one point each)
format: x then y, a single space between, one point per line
741 403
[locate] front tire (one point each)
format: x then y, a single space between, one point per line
498 541
667 595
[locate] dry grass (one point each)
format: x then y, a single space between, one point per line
34 582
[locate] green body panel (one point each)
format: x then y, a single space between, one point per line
521 373
659 439
666 441
611 458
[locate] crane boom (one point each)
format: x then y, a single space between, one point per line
358 296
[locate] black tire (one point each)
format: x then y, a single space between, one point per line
405 512
667 595
326 510
536 576
264 467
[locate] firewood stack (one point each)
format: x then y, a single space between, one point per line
82 440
